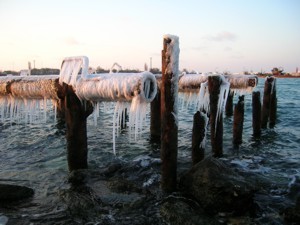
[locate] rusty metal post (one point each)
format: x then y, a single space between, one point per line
169 127
155 123
229 104
266 102
198 136
238 122
76 114
216 124
256 114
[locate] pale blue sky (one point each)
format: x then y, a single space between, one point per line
232 35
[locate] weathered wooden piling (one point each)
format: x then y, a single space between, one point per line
198 137
155 121
229 104
216 124
266 101
76 114
169 126
273 105
256 113
238 122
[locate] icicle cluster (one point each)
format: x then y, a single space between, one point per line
204 96
71 68
26 110
224 91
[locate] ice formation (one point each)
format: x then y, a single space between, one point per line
117 87
191 82
204 97
71 68
26 110
172 52
224 91
242 84
203 142
28 98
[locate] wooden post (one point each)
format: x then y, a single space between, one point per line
198 136
229 104
216 124
155 123
256 113
266 102
75 115
238 122
273 105
169 127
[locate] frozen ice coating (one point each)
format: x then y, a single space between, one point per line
191 82
203 97
242 84
238 83
172 52
117 87
203 142
70 69
34 87
224 91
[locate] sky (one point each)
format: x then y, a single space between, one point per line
214 35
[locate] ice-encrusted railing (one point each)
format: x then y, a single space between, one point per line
137 88
193 87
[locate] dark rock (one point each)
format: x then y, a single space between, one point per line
123 186
218 188
178 211
292 214
9 192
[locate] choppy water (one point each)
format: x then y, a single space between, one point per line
35 154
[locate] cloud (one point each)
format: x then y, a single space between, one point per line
71 41
222 36
227 49
200 48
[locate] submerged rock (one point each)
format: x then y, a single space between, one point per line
218 188
178 211
9 192
292 214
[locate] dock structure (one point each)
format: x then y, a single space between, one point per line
75 94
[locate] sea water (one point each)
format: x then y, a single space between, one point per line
35 154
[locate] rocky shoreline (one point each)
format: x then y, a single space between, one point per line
211 192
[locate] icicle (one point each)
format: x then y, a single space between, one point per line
137 115
224 91
203 142
203 97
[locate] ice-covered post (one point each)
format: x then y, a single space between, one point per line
76 114
155 123
198 137
218 91
268 89
169 126
238 121
256 113
229 104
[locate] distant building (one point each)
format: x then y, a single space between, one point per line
24 72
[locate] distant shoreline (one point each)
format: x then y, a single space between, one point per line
278 76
